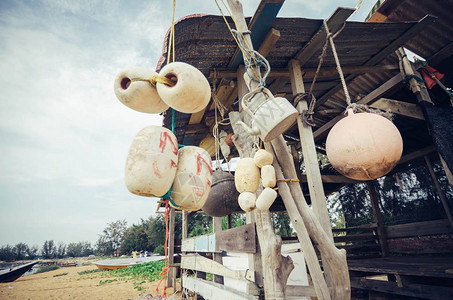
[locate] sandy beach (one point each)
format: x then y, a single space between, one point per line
67 283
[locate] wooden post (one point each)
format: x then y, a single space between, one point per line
317 196
229 221
378 218
171 278
439 190
185 220
447 171
217 227
276 268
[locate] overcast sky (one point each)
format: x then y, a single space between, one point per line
64 135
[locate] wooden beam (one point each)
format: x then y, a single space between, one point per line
310 72
334 22
269 42
447 170
416 154
419 229
194 128
386 51
300 290
217 257
388 86
406 109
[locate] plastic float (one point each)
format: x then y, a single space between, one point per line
152 162
222 199
139 95
364 146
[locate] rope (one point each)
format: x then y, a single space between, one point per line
337 62
171 43
288 180
246 54
156 78
166 268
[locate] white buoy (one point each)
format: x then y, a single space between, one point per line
268 178
193 179
152 161
138 95
247 175
190 94
266 198
247 201
262 158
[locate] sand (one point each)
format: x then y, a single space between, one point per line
57 285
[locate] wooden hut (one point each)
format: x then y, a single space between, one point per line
376 76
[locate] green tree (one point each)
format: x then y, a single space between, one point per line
32 252
7 253
49 250
20 251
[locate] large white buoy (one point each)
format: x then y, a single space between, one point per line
152 161
190 94
266 198
247 175
193 179
138 95
364 146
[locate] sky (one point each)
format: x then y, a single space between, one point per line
64 136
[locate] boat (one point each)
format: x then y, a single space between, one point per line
12 274
121 263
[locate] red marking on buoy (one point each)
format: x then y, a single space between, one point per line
164 136
156 169
200 162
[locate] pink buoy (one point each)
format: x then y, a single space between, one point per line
193 179
364 146
152 161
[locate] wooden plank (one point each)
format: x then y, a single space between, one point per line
406 109
388 86
419 228
203 264
386 51
217 257
238 239
300 290
334 22
355 237
195 128
211 290
412 290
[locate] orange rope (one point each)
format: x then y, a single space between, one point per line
166 267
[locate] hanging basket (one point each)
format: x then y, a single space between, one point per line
223 197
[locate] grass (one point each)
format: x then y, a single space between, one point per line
47 269
138 274
62 274
90 271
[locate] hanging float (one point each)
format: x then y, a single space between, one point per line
133 88
152 161
192 180
190 92
222 199
364 146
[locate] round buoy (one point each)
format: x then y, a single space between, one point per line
152 161
247 201
193 179
364 146
138 95
191 92
223 197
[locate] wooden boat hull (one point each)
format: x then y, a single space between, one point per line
113 264
13 274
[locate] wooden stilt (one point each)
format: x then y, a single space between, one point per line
439 190
378 218
217 226
171 276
